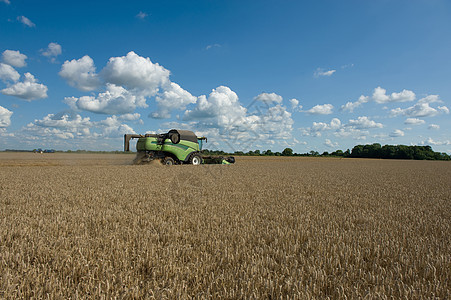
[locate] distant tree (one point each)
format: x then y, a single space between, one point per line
268 152
398 152
325 153
314 153
337 153
287 152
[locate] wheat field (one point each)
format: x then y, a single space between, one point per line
77 226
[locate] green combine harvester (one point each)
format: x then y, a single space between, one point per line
176 147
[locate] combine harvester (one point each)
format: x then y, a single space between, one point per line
176 147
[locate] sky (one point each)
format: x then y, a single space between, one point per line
309 75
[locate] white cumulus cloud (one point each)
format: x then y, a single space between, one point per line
115 100
397 133
129 117
5 117
14 58
8 73
136 73
330 144
364 123
80 73
52 51
28 90
380 96
295 104
421 109
350 106
434 126
173 97
430 141
221 116
269 98
324 109
222 104
414 121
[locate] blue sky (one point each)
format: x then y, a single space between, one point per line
310 75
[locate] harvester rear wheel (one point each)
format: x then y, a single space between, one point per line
168 161
196 159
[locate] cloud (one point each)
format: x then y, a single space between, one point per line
414 121
8 73
5 117
5 1
136 73
73 126
379 96
269 98
443 109
222 104
317 127
320 72
295 104
24 20
222 117
325 109
28 90
129 81
330 144
142 15
350 106
397 133
421 109
430 99
129 117
364 123
64 120
112 127
347 66
434 127
352 132
52 51
115 100
174 97
430 141
212 46
61 126
14 58
80 73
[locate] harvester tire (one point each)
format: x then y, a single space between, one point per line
175 138
168 161
196 159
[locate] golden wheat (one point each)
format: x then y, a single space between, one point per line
81 226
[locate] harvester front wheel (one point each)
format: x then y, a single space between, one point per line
168 161
196 159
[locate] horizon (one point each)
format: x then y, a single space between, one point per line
248 75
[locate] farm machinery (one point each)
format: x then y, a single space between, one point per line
175 147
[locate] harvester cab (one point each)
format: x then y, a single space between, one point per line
175 147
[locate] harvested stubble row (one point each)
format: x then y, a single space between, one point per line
77 226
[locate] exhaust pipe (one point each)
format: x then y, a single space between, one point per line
127 138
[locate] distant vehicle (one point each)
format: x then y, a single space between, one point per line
39 150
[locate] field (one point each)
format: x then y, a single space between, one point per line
95 226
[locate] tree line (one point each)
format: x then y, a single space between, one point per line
359 151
